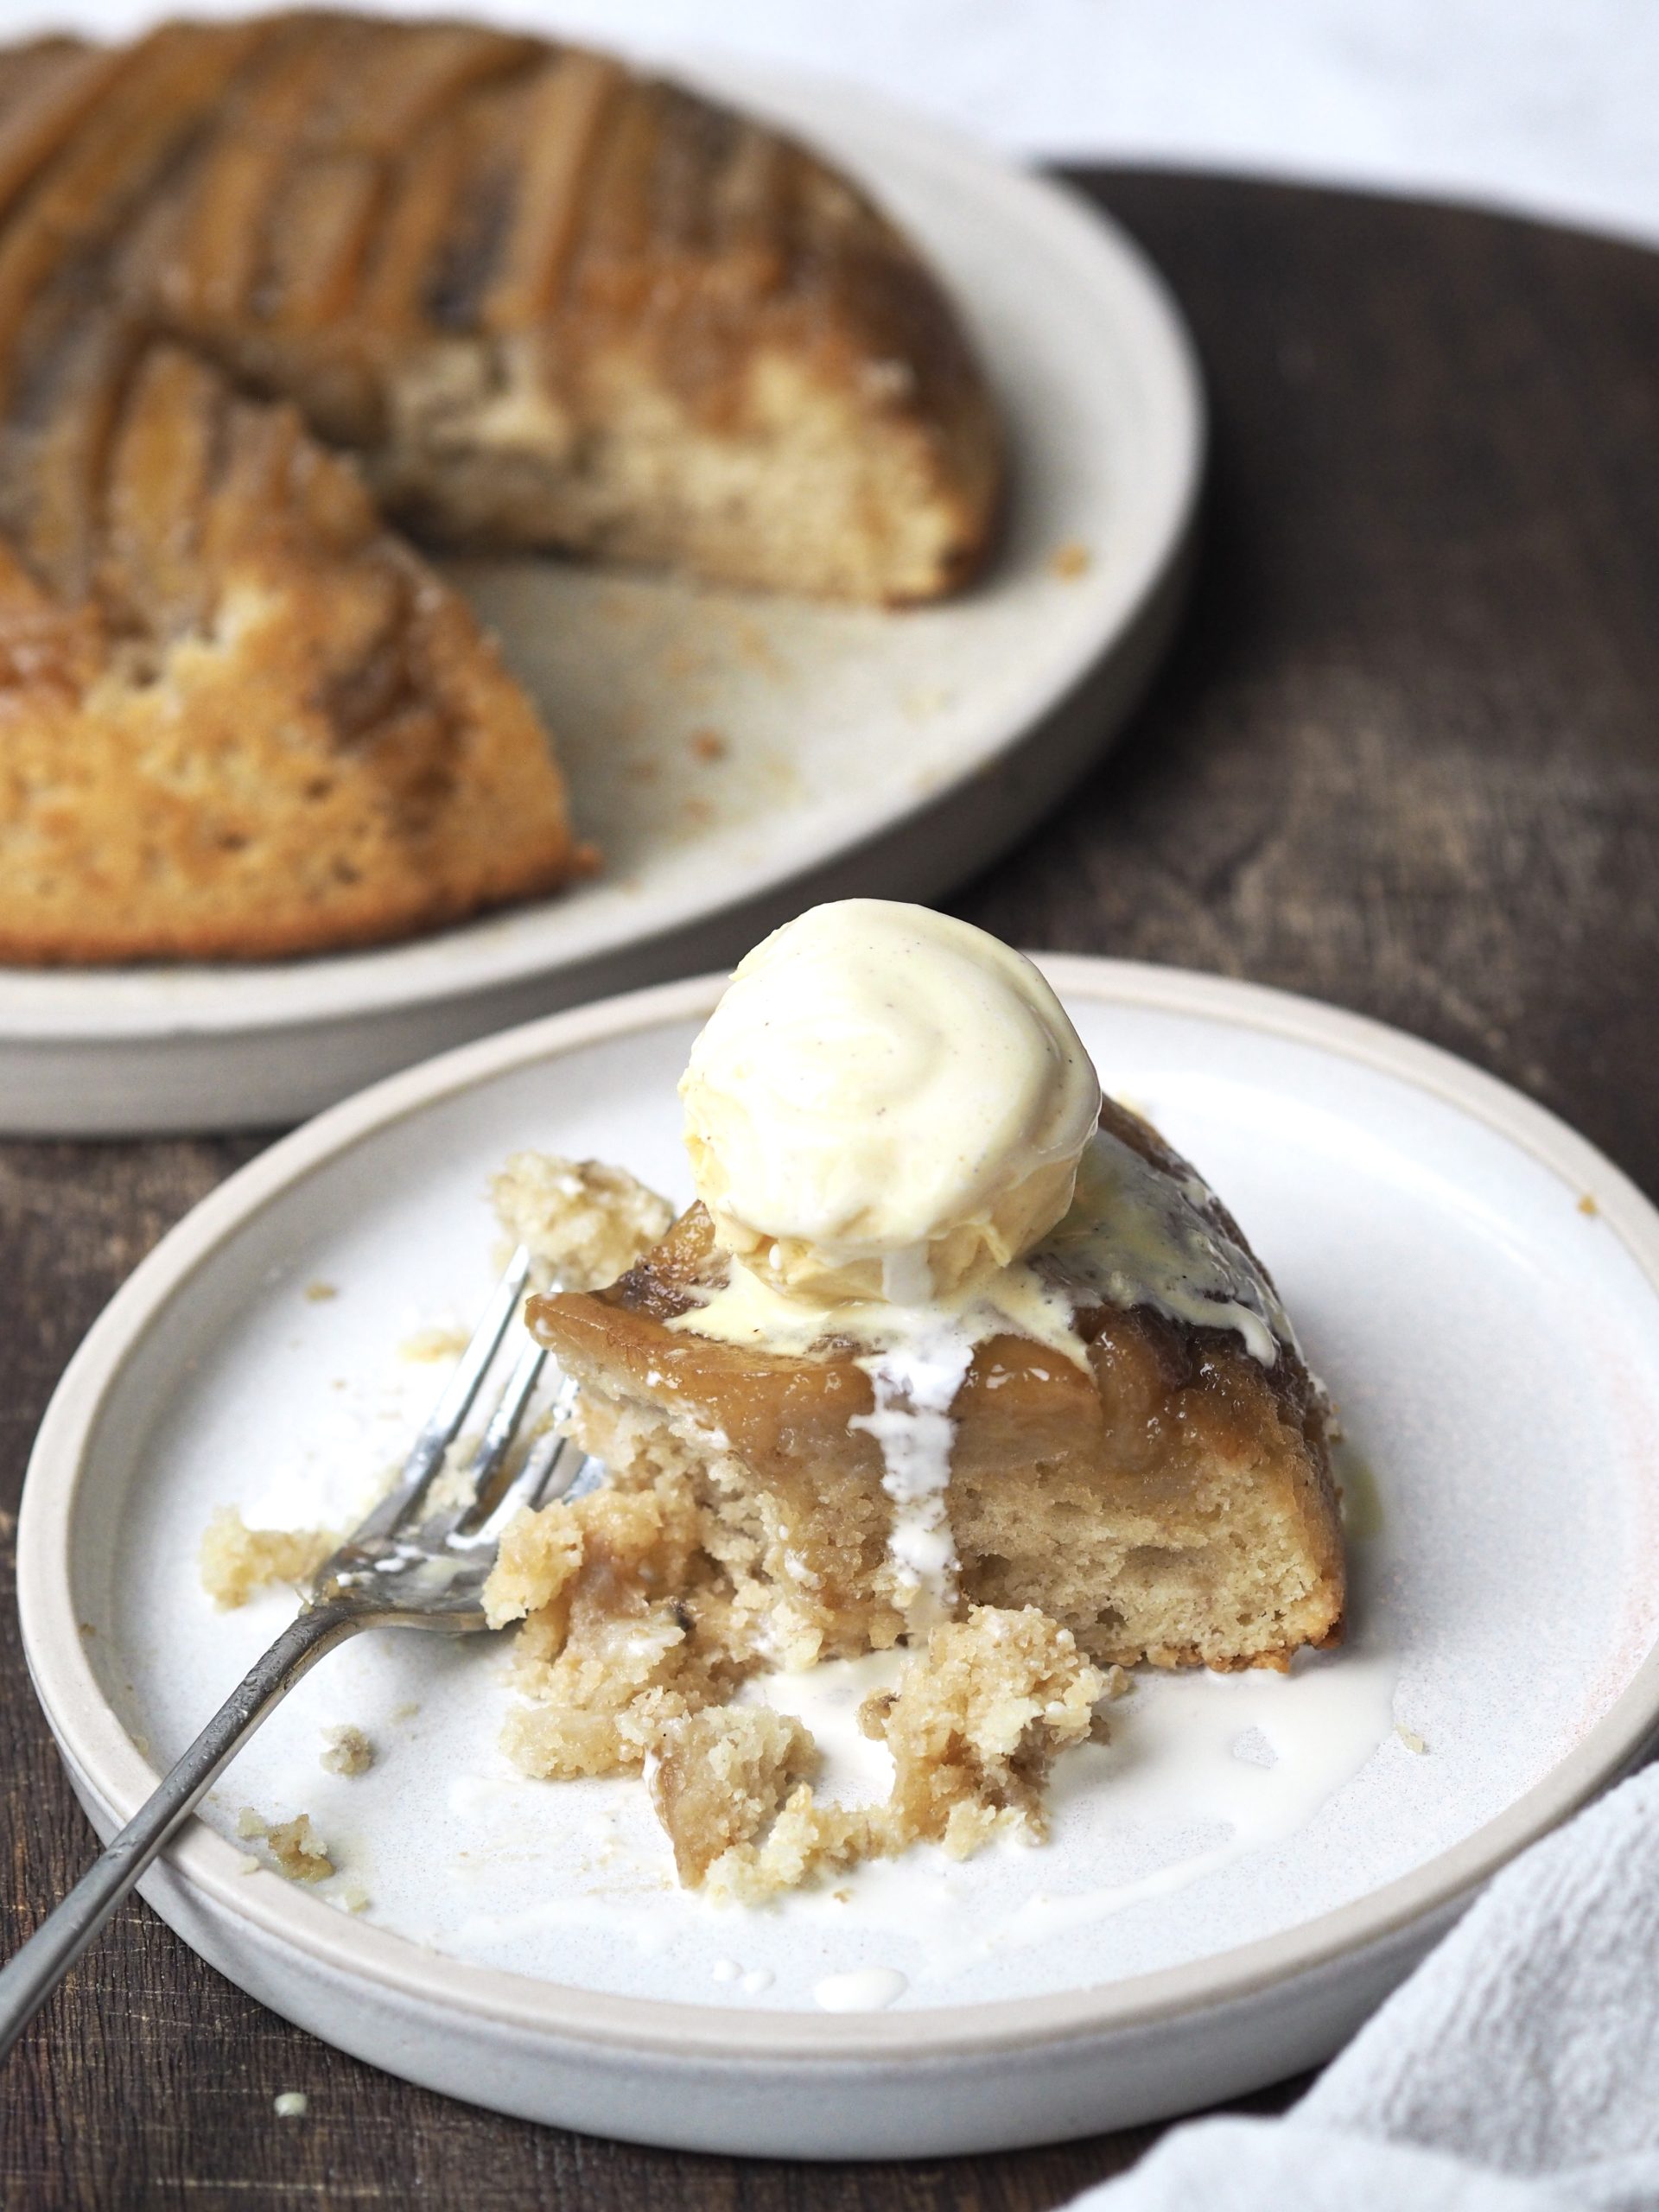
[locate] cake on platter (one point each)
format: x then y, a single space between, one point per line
286 299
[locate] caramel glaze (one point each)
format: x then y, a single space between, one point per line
1162 1405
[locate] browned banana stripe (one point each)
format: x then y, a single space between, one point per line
351 182
309 195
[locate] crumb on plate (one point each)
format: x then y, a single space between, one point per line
235 1560
299 1851
425 1345
347 1749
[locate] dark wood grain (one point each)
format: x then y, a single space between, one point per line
1406 757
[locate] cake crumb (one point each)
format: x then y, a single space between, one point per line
584 1223
351 1897
1070 560
294 1844
611 1652
298 1850
709 745
455 1482
1410 1738
634 1642
347 1749
292 2104
722 1776
318 1293
426 1345
247 1864
406 1711
235 1560
977 1720
1588 1206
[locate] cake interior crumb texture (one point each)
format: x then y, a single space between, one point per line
977 1720
584 1223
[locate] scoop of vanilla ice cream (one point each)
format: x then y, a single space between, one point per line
886 1104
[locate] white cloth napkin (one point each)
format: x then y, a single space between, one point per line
1518 2071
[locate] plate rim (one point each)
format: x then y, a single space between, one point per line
97 1748
148 1004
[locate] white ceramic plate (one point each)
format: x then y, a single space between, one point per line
881 752
1232 1883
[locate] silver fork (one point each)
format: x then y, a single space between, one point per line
405 1566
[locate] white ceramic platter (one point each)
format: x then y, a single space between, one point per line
858 751
1232 1883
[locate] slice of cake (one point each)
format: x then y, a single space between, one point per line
950 1355
238 718
1167 1497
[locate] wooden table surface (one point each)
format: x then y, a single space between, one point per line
1404 757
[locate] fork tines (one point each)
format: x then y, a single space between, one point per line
551 1463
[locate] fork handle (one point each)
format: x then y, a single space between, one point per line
34 1970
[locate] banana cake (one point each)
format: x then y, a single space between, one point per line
274 293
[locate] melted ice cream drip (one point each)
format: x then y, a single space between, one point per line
1136 1236
915 1385
917 1356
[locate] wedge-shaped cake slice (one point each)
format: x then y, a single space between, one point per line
1162 1490
238 718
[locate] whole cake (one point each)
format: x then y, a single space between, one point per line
950 1354
539 300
